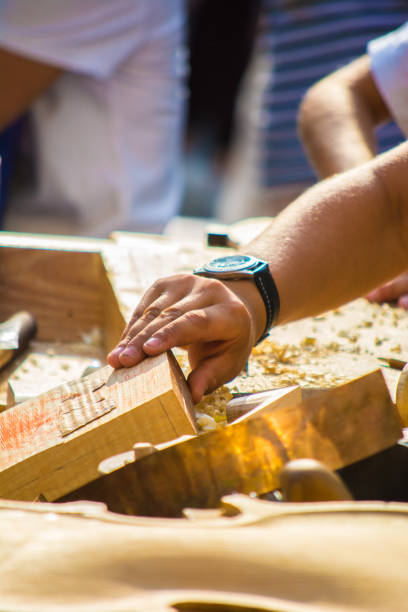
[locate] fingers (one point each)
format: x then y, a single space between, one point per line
207 325
152 307
403 301
214 371
199 313
396 289
179 311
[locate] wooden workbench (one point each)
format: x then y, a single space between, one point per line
319 351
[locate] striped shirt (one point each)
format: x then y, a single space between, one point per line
305 40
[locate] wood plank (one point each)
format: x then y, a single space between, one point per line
54 443
325 557
62 289
337 427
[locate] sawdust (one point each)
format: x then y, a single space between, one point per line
323 351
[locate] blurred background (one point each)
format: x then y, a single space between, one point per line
141 116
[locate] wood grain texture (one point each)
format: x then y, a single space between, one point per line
286 557
54 443
337 427
62 289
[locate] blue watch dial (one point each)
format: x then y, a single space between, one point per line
231 263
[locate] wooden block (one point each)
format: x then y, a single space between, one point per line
54 443
247 406
61 289
337 427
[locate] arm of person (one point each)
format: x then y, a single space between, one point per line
340 239
23 80
338 116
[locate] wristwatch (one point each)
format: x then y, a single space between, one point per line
246 267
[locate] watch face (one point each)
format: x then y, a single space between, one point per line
231 263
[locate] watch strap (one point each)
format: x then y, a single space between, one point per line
269 292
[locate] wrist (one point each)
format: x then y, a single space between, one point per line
241 267
248 293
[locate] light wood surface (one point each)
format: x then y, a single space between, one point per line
63 282
103 281
60 288
275 557
322 351
54 443
337 427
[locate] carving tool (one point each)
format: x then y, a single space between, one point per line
15 334
391 362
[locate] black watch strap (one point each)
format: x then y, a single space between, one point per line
269 292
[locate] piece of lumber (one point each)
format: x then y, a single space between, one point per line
64 282
249 405
53 444
61 289
324 557
337 427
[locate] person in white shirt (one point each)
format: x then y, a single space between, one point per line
104 86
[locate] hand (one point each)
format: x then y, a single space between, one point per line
215 320
394 290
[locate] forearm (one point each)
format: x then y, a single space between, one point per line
337 119
341 238
337 241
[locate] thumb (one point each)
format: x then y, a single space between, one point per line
209 374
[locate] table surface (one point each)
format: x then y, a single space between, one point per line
319 351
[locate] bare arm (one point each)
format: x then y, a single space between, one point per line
338 240
341 238
337 118
22 80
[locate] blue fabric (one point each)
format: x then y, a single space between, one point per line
9 140
306 41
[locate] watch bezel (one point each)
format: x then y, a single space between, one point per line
249 263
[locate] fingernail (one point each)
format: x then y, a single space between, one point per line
130 352
371 296
153 343
403 302
116 351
